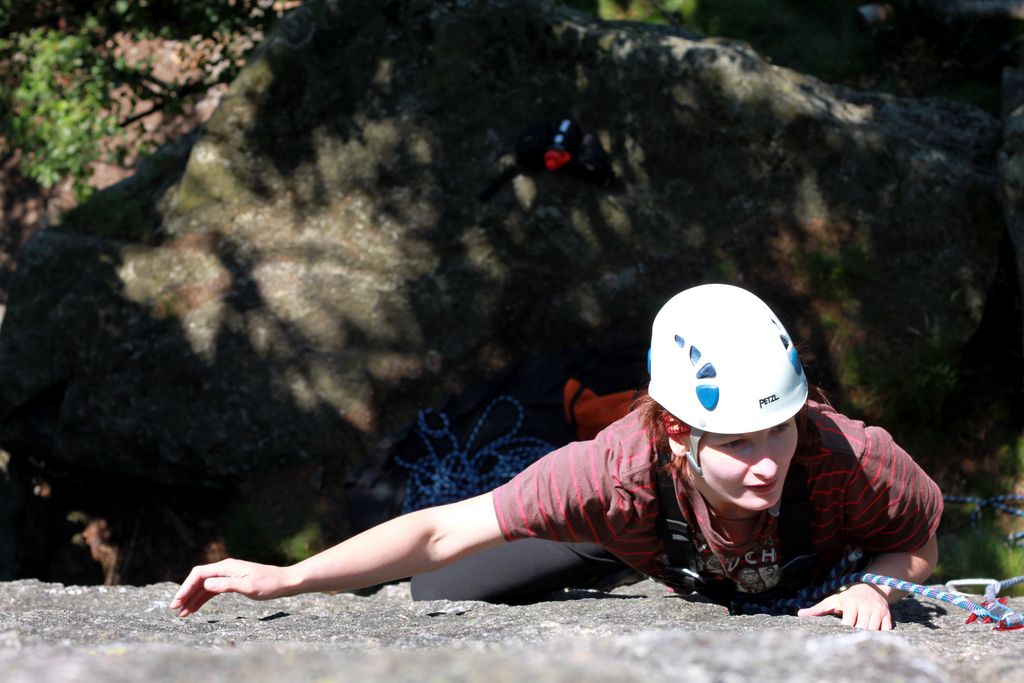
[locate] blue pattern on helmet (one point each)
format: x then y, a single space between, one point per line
785 341
648 361
708 396
694 355
680 342
707 371
795 360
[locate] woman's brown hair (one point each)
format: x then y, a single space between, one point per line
657 422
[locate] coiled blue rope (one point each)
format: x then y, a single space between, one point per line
460 471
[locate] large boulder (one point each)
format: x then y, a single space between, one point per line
324 268
1011 167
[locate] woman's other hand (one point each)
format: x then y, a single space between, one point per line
861 606
256 581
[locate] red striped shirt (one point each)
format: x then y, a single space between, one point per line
865 492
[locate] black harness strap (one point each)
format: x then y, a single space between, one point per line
677 539
672 526
795 513
677 536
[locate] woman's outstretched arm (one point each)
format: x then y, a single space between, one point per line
412 544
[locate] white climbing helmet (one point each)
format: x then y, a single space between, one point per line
721 362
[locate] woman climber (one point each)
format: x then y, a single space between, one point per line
726 480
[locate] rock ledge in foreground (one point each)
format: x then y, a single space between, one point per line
87 634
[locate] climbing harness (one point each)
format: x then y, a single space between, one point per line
439 478
989 611
556 148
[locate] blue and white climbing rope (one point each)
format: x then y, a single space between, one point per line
989 610
1001 503
445 475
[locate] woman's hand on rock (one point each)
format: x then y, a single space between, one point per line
256 581
861 606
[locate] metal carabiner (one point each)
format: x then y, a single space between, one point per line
952 586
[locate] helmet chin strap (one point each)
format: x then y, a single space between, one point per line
692 454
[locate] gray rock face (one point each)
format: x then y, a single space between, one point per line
51 632
323 269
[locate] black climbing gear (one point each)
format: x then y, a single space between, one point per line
561 147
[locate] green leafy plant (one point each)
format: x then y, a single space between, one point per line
58 112
69 97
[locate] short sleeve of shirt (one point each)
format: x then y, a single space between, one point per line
586 492
871 491
897 506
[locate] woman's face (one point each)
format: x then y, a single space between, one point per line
744 473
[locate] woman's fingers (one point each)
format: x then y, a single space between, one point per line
874 618
202 583
256 581
830 605
193 580
193 602
863 609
